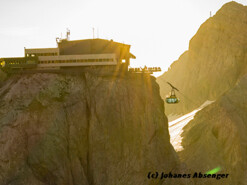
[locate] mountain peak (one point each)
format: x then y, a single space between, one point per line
233 4
232 8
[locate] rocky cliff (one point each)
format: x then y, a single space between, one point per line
82 130
216 59
3 76
217 137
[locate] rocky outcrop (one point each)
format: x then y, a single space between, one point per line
217 137
3 76
82 130
215 61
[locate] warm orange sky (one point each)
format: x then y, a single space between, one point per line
158 30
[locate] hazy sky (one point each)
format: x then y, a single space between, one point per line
158 30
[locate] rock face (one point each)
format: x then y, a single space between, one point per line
215 61
82 130
217 137
3 76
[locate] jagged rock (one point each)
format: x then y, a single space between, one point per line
217 137
215 61
83 130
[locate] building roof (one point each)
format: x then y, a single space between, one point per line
94 46
41 50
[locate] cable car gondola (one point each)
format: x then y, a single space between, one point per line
172 99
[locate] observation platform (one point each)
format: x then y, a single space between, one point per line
149 70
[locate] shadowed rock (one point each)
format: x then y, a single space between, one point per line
217 137
83 130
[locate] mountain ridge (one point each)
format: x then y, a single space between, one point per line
215 61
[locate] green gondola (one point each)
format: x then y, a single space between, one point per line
172 99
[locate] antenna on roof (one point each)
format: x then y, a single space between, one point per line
210 13
93 32
68 34
97 32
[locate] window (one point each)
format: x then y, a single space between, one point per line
3 63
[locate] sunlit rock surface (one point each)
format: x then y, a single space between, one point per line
215 61
217 137
83 130
176 126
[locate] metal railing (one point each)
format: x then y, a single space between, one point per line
144 70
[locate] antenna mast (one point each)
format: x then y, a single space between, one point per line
93 33
68 34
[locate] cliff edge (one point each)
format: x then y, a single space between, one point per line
82 130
